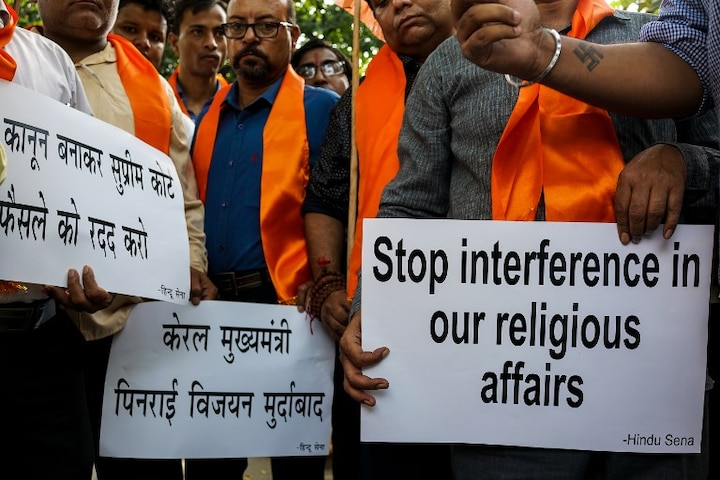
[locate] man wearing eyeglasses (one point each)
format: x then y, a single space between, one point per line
322 65
412 30
252 153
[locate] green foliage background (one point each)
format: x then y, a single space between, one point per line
316 19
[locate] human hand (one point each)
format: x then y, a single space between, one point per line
86 297
649 192
201 287
503 36
335 313
304 296
354 359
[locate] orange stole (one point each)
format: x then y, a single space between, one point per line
146 92
7 62
380 108
173 81
560 146
285 170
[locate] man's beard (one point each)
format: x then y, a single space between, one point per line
257 70
254 73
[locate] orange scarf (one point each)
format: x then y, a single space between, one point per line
559 146
380 108
173 81
285 170
7 62
146 92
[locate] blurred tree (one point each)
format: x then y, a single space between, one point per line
319 19
316 18
27 11
641 5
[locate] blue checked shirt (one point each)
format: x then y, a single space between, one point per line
691 29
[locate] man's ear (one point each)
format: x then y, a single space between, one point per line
173 39
294 35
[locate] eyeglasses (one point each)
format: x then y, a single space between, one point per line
260 29
329 68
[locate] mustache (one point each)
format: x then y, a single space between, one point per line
250 50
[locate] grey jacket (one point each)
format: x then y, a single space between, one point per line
457 112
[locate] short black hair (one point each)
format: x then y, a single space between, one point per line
161 6
195 6
315 43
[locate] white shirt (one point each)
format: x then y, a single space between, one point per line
44 67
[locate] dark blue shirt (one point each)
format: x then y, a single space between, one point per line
232 202
205 106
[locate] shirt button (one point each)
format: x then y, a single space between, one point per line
221 248
224 204
231 163
241 126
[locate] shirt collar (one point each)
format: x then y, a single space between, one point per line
268 96
106 55
181 92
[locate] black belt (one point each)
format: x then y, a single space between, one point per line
23 317
231 284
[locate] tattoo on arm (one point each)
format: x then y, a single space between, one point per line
587 53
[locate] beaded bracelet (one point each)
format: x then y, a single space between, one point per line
325 286
544 73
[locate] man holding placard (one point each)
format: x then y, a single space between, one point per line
477 146
45 426
129 93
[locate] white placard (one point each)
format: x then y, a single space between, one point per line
511 333
223 379
80 191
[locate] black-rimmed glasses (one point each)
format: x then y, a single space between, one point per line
329 68
260 29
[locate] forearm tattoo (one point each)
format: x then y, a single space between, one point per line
587 53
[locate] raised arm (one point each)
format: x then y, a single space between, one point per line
637 79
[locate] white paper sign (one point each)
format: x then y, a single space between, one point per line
80 191
223 379
536 334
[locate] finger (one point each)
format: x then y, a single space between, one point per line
674 208
302 296
98 296
358 395
196 290
622 206
58 294
74 293
75 297
334 327
459 7
656 208
637 214
478 16
356 384
210 291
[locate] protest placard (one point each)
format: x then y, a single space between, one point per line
536 334
83 192
223 379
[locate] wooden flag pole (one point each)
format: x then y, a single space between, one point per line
352 206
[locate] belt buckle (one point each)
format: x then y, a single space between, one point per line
247 281
224 281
